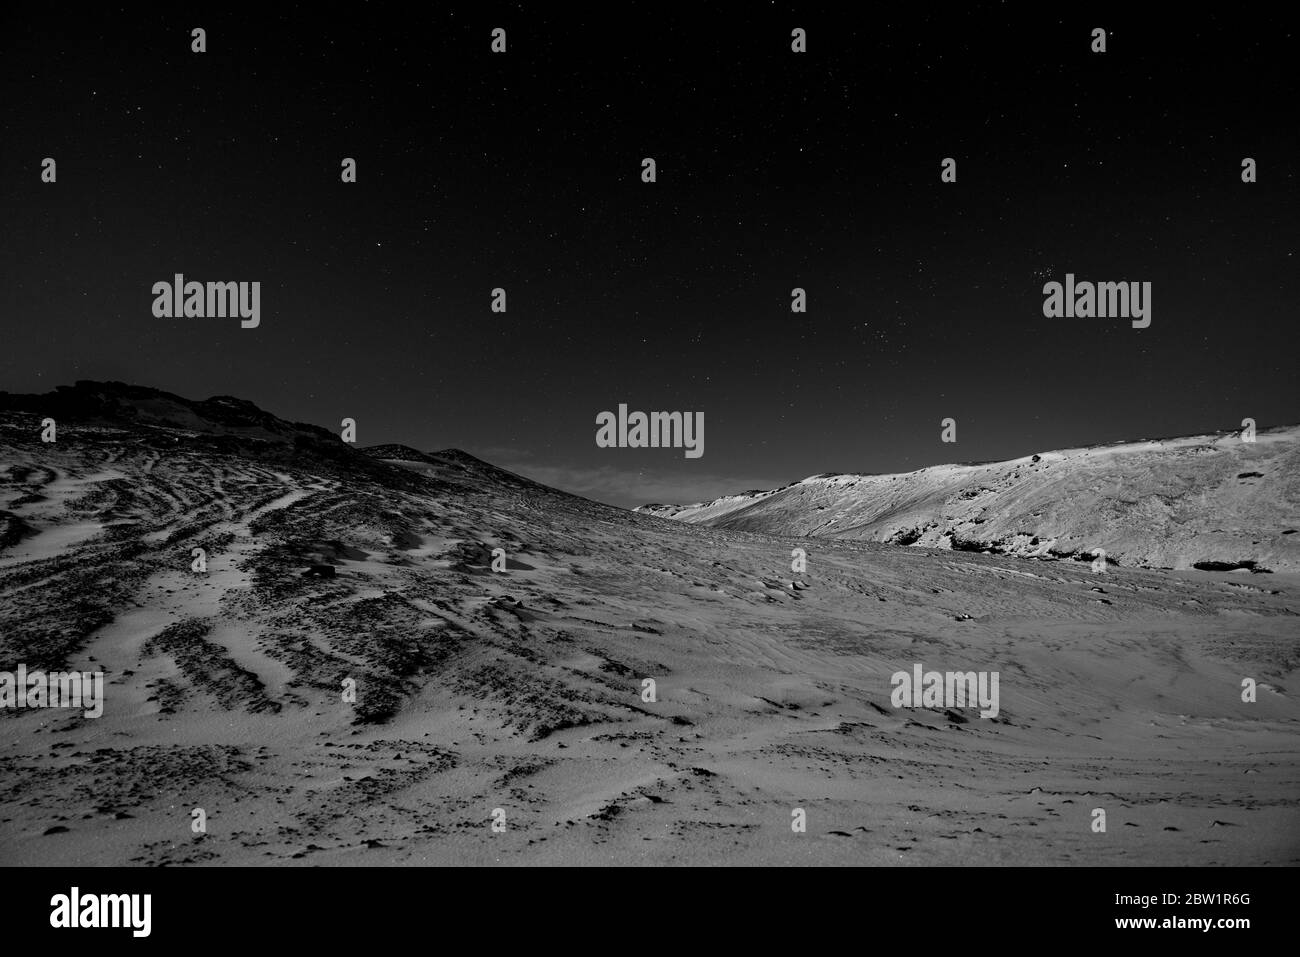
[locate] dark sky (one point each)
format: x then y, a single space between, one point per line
775 170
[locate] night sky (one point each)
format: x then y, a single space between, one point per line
775 170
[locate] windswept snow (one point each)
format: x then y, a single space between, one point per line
521 689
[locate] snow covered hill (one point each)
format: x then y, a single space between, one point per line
382 646
1209 501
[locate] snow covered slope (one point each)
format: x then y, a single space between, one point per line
1210 500
517 684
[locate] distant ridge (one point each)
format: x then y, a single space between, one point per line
231 425
1213 501
222 423
109 404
